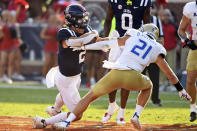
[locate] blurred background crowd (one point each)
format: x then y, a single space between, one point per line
28 44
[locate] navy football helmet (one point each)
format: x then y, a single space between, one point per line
76 16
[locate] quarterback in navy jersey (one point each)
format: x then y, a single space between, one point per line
70 61
128 14
67 76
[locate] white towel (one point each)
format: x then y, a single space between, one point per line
50 77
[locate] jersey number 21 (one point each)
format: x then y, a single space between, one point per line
144 52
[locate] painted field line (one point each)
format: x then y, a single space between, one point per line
42 87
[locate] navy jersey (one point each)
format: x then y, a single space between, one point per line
129 13
69 61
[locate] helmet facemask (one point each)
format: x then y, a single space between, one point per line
76 19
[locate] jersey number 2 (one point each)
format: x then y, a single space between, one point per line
143 54
82 57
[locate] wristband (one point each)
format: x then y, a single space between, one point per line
178 86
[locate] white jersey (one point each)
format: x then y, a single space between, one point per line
139 51
115 53
190 11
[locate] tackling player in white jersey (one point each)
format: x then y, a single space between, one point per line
190 17
140 50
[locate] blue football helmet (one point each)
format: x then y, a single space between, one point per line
76 16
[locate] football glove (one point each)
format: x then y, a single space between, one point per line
184 95
190 44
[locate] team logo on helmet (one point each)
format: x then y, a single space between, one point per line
151 29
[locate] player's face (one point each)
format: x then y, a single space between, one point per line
78 30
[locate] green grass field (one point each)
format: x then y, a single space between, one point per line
28 102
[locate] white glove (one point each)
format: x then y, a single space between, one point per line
183 94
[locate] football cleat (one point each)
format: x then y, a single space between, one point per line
7 79
120 117
38 123
106 117
120 121
111 110
17 76
192 116
135 121
51 111
61 125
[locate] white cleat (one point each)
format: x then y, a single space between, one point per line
121 121
51 111
61 125
108 115
7 80
17 76
135 121
38 123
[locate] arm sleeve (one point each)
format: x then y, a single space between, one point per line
82 41
103 45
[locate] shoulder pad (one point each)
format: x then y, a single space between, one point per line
188 8
65 33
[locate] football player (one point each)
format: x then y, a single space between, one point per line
68 76
190 17
128 14
140 49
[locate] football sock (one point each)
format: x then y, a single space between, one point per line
57 118
58 103
139 109
193 107
111 107
71 117
121 113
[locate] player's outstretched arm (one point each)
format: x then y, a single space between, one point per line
104 45
163 65
83 39
111 42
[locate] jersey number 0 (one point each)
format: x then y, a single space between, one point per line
142 48
127 21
